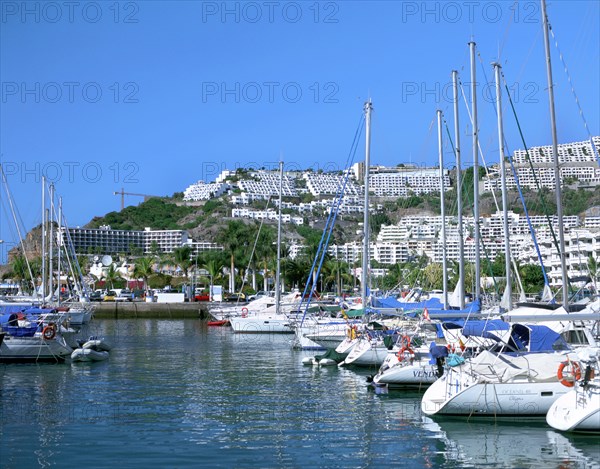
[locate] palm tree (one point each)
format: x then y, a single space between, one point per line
112 275
234 240
182 258
336 272
434 275
143 268
593 269
20 270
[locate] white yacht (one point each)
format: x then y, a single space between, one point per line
495 383
579 409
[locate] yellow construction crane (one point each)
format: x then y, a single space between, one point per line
122 193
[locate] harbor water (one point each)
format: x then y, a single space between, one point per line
178 394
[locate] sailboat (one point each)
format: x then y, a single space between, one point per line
270 319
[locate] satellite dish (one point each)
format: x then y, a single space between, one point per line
106 260
96 258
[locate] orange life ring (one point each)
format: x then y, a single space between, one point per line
573 373
402 353
405 342
244 312
49 332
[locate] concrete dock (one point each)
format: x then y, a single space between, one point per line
135 309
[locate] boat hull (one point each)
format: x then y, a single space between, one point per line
33 349
256 325
366 353
415 374
491 399
576 411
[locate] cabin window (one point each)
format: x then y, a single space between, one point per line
575 337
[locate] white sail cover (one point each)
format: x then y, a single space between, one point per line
501 368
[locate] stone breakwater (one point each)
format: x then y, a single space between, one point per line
127 310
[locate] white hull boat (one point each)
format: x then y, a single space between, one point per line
496 385
408 370
33 349
88 355
579 409
261 323
314 334
367 352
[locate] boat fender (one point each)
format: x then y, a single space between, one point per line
49 332
244 312
572 374
588 375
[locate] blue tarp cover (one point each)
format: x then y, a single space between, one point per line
536 338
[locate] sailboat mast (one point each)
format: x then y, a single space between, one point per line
475 173
443 210
43 238
365 258
508 291
557 182
461 250
50 243
59 243
278 268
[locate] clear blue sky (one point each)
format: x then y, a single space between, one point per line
153 96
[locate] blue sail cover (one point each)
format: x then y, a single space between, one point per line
482 328
393 302
537 338
435 311
8 309
478 328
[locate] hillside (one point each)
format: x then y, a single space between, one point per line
204 220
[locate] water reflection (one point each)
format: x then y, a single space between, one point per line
512 444
176 392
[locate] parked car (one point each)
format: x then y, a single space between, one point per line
96 296
259 294
110 296
126 295
235 297
202 297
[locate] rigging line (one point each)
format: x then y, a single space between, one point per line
585 124
485 165
538 186
513 260
507 29
339 195
245 277
339 198
478 225
22 242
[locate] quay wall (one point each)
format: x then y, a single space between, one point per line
132 310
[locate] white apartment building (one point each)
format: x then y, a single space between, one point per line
268 214
105 240
577 160
330 184
203 191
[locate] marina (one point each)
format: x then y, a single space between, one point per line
176 393
388 311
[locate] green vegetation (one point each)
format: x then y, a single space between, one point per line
155 213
